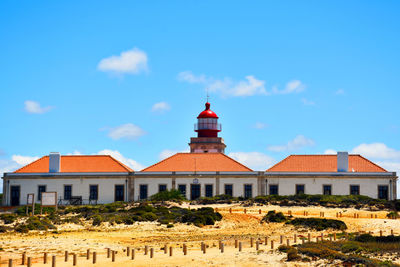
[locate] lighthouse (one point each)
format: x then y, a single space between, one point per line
207 128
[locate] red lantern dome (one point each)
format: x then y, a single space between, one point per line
207 123
207 113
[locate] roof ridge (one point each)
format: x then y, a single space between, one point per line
372 163
120 163
23 167
155 164
236 161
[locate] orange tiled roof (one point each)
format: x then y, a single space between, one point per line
323 163
200 162
78 163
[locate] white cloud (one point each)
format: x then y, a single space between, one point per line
34 107
166 153
340 92
126 131
294 86
330 152
377 151
254 160
136 166
188 76
160 107
307 102
260 125
76 152
297 143
23 160
132 61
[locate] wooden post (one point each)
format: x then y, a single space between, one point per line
66 256
281 241
334 236
113 256
358 215
74 259
45 257
230 210
303 240
322 236
309 237
133 254
251 242
219 244
245 211
29 262
257 245
151 253
380 232
108 252
272 244
146 249
165 249
391 231
222 248
88 254
53 261
376 216
240 246
266 240
236 243
288 242
259 211
23 258
294 238
10 263
128 250
94 257
170 251
204 248
184 249
330 238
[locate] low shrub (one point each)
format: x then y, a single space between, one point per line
318 223
284 248
351 247
8 218
292 255
218 199
272 216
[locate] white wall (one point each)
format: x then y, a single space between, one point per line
238 185
340 186
80 187
152 185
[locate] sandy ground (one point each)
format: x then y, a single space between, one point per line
236 225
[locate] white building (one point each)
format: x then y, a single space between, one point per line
204 172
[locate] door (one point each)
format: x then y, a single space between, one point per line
15 194
248 191
383 192
119 192
143 191
194 191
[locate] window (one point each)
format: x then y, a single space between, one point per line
248 190
162 187
93 192
229 189
273 189
300 189
143 191
67 192
41 189
327 189
354 189
209 190
119 192
383 192
182 189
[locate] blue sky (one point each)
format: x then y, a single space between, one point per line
128 78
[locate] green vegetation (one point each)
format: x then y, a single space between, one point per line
354 252
271 216
168 195
8 218
218 199
318 223
35 223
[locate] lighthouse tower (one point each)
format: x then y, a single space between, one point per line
207 128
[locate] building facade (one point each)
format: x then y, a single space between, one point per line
204 172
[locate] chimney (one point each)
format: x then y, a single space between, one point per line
54 162
342 161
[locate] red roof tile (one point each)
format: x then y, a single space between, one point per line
200 162
323 163
78 163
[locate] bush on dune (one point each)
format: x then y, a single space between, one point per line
272 216
168 195
318 223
